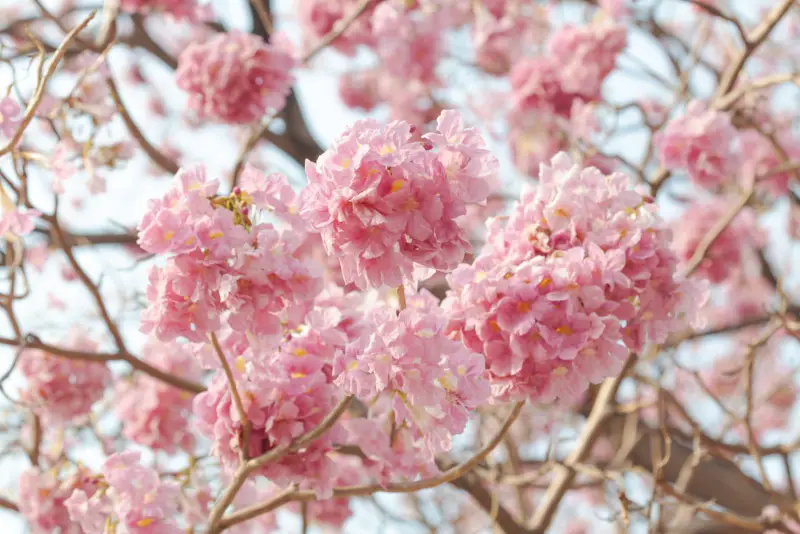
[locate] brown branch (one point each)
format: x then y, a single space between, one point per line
155 155
368 489
565 473
103 357
41 86
8 505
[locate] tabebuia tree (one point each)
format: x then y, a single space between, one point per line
455 266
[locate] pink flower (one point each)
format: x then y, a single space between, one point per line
134 501
18 222
235 77
581 270
727 254
178 9
359 89
42 496
10 116
759 160
430 382
385 206
318 17
287 391
701 142
154 414
61 389
577 61
409 48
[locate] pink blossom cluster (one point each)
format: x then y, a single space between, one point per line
224 268
62 389
580 273
235 77
760 160
42 494
10 116
550 92
728 253
155 414
574 66
406 364
18 222
318 18
700 141
386 206
287 391
409 49
131 499
178 9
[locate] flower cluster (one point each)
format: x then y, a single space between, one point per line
386 206
130 499
153 413
42 495
408 369
235 77
576 62
725 258
10 116
318 18
18 222
225 269
62 389
286 391
409 49
701 142
581 272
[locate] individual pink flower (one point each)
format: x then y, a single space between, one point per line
10 116
155 414
134 500
235 77
61 389
581 269
701 142
42 495
18 222
727 254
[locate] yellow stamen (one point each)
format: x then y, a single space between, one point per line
545 282
560 371
397 185
145 522
523 307
298 375
215 235
168 235
564 330
561 212
240 364
299 351
480 276
386 149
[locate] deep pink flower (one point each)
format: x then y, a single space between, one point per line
318 17
235 77
360 89
701 142
10 116
409 48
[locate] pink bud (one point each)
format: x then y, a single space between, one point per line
237 191
427 145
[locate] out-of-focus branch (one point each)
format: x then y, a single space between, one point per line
155 155
41 86
8 505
